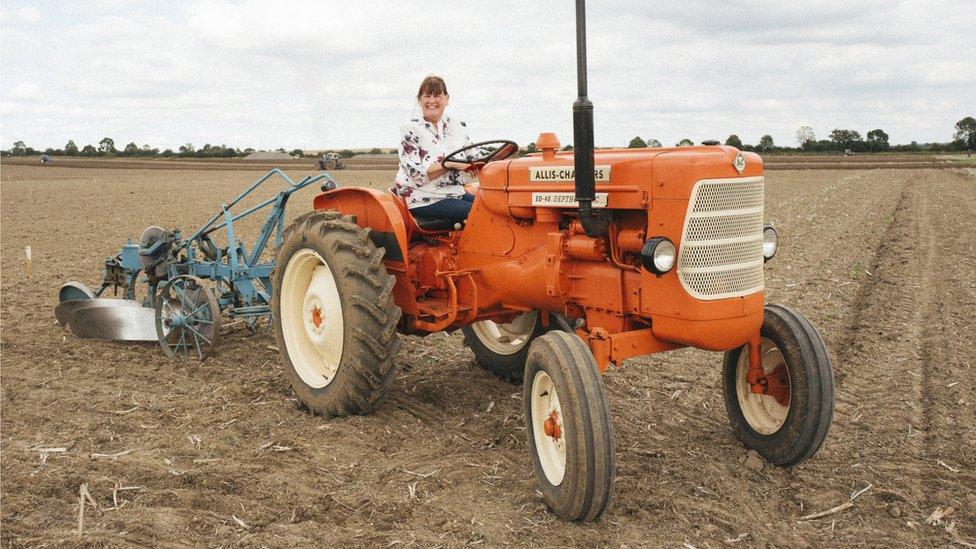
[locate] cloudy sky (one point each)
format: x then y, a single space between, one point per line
316 74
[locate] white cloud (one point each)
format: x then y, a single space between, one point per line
322 74
29 14
26 91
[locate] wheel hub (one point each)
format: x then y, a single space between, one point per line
764 391
176 320
314 319
778 385
551 426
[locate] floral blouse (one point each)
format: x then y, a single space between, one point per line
421 145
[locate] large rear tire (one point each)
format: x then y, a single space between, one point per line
568 427
334 315
502 348
790 425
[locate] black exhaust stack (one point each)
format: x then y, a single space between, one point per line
594 225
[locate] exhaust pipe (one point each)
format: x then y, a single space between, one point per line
593 224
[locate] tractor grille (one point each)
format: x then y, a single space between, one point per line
721 248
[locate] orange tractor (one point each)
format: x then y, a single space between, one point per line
567 263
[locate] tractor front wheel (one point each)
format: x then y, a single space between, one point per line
788 422
502 348
334 315
568 427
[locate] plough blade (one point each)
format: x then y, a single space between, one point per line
116 319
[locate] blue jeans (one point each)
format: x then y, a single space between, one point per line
453 209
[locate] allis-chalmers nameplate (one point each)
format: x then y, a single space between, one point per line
565 173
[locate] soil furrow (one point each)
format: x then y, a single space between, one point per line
443 460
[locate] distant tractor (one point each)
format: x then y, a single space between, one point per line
330 161
568 263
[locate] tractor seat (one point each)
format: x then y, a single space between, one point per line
426 224
433 224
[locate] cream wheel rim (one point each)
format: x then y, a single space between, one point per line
506 339
550 449
311 318
762 412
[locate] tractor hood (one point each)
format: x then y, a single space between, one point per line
624 178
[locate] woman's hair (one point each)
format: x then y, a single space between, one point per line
431 85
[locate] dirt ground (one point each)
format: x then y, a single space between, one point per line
219 453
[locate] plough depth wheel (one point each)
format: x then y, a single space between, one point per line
789 421
187 318
334 315
568 427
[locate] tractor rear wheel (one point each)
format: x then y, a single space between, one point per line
334 315
502 348
568 427
789 423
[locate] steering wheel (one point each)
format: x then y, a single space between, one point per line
505 149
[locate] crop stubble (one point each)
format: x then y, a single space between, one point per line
882 261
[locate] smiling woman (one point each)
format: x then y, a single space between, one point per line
430 189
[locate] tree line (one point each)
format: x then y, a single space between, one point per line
106 148
839 140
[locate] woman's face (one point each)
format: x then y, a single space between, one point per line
433 105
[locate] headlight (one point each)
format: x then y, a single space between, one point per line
769 242
658 255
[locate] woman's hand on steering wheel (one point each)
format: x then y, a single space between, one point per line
453 165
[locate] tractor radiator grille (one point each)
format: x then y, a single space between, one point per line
721 247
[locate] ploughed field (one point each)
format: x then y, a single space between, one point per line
219 453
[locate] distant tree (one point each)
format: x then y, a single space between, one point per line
50 152
877 140
167 153
375 150
734 141
19 149
846 139
568 147
89 150
766 142
297 153
106 146
637 143
346 153
531 148
651 142
131 150
684 143
805 135
187 150
71 149
966 132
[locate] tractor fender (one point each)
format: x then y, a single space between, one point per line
382 213
376 210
